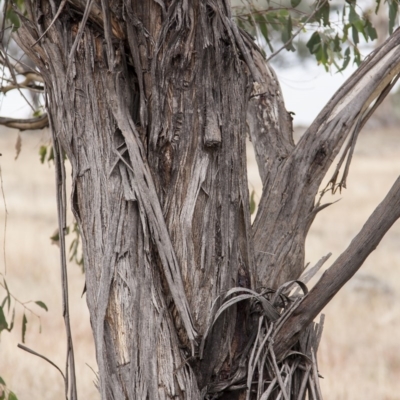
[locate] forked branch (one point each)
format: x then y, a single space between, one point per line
287 207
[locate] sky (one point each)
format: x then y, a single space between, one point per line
307 88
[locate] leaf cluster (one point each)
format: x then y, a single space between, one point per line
8 306
5 392
332 32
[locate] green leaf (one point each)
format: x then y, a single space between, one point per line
12 396
314 43
273 21
8 297
378 4
295 3
322 15
287 34
393 10
13 18
252 203
12 321
346 60
325 11
336 44
2 381
262 24
42 153
55 238
353 16
24 322
51 155
346 28
3 322
355 36
359 25
41 304
371 31
357 56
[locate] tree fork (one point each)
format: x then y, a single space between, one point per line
151 101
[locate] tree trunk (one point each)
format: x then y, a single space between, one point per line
151 101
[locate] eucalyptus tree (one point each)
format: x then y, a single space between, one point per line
151 103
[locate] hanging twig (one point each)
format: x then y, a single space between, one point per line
27 349
70 386
5 220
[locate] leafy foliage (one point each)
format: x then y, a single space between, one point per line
8 305
5 393
46 153
332 31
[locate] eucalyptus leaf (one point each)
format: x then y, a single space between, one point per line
12 396
3 321
24 322
41 304
393 10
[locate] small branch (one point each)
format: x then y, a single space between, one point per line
27 349
26 124
341 271
23 304
23 85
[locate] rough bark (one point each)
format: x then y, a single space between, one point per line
156 141
151 102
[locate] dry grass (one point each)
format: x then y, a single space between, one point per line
359 355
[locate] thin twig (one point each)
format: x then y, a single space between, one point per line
27 349
5 220
61 208
12 72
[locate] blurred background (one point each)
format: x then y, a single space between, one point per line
359 356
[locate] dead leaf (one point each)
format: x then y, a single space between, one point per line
18 145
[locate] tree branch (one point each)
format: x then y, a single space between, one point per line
341 271
26 124
270 125
288 198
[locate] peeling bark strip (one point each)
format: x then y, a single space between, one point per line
151 101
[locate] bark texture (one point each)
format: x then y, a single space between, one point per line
151 102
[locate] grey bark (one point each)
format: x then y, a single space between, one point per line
151 102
